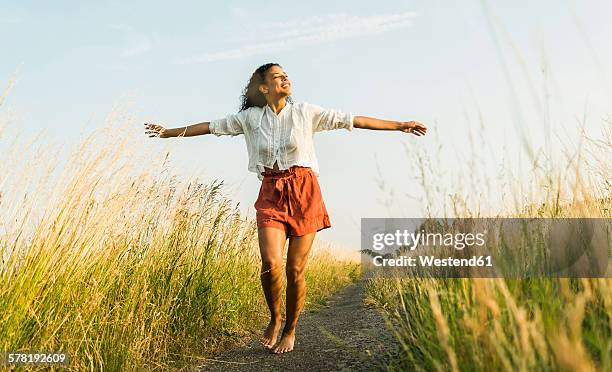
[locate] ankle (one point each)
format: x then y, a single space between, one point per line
289 332
275 320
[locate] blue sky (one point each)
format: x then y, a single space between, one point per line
437 62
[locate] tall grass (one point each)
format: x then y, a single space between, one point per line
510 324
507 324
123 265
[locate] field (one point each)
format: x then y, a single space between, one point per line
480 324
109 257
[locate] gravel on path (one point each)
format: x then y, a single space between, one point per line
346 335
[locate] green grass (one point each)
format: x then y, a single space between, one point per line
131 268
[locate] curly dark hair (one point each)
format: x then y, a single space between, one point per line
251 96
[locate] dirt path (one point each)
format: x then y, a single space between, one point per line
346 335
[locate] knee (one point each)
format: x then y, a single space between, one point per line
295 273
271 266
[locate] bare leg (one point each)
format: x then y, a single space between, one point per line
297 258
271 244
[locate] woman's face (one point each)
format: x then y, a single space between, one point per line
277 83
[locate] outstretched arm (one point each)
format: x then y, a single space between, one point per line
414 127
231 125
155 130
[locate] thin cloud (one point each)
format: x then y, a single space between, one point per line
309 31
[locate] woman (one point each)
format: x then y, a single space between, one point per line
279 139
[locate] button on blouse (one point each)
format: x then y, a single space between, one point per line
285 138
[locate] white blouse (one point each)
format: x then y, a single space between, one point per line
286 138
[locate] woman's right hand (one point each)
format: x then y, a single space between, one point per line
155 130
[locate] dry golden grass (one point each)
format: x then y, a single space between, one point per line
111 258
508 324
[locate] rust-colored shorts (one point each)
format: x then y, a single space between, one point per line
291 200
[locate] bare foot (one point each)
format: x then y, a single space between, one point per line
285 344
269 336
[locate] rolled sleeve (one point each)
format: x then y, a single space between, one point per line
231 125
329 119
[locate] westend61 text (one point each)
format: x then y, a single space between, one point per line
432 261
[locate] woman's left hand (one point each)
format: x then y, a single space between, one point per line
414 127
